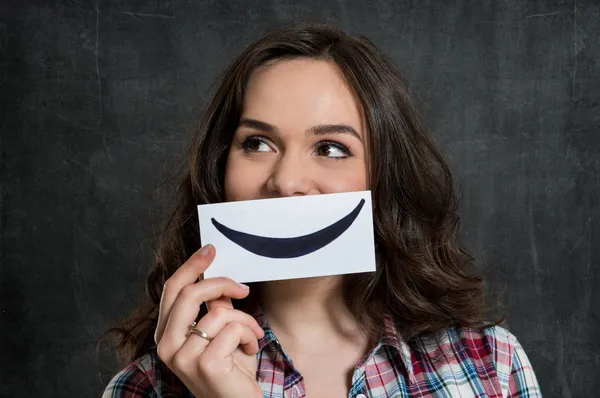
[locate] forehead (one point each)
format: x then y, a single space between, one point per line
300 93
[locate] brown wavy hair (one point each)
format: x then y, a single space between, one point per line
424 279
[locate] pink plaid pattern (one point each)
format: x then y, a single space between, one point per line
455 362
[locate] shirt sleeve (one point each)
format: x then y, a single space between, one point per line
522 382
131 382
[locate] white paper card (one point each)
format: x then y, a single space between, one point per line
288 238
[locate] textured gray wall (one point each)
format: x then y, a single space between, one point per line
97 97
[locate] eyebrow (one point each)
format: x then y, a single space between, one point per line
321 129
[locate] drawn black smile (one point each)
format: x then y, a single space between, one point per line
290 247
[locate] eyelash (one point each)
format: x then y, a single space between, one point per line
342 148
245 144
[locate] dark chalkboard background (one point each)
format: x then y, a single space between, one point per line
98 97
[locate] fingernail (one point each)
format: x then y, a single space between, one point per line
244 286
205 250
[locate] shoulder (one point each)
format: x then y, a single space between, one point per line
476 343
494 345
495 340
147 376
135 380
487 354
512 366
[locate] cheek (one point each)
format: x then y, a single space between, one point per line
350 179
241 180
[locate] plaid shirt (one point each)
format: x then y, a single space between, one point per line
455 362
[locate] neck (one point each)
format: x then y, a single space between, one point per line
305 314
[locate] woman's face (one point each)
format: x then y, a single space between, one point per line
301 132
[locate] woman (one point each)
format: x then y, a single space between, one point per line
309 110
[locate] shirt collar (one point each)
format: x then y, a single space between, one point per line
269 336
390 339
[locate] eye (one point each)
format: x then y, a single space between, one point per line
256 144
332 150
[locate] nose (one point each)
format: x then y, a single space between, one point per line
291 177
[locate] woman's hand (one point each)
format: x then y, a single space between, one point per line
224 367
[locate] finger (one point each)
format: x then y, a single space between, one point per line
224 302
185 275
209 305
232 336
212 324
218 357
216 319
185 309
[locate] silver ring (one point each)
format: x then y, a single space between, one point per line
199 333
